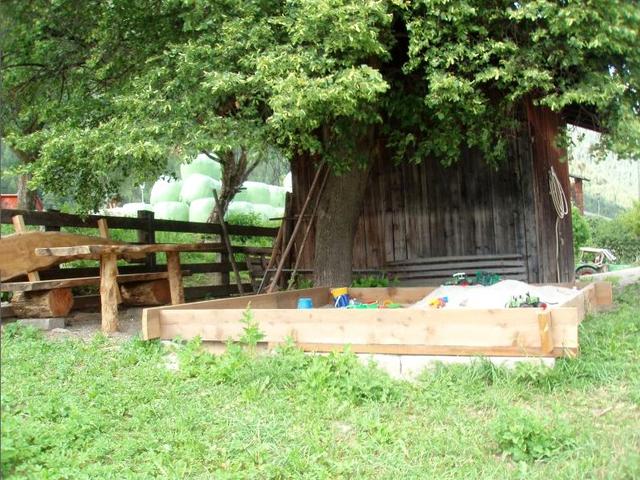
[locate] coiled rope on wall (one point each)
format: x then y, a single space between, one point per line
561 205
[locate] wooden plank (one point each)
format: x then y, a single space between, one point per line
175 277
476 328
454 350
77 282
546 338
20 228
97 250
151 323
190 293
284 300
440 273
76 272
17 252
109 292
404 295
457 265
604 294
457 258
397 214
579 303
213 291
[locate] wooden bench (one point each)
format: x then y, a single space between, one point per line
53 298
436 270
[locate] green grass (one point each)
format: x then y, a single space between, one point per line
100 409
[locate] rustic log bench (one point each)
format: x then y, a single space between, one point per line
435 270
53 298
108 280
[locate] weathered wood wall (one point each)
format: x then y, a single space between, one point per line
428 210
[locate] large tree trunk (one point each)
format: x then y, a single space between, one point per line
338 214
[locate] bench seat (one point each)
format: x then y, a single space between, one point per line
80 282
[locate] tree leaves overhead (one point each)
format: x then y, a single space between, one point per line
108 89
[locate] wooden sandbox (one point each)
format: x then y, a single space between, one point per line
507 332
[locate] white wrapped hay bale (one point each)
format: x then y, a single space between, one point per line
200 210
202 165
198 186
178 211
165 190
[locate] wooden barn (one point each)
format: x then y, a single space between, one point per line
424 222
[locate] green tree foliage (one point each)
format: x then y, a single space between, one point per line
631 219
8 161
64 66
124 81
581 231
616 235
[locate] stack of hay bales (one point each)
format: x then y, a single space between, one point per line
190 198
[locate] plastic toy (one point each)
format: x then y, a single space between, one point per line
439 302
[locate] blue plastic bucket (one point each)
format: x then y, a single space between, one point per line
304 303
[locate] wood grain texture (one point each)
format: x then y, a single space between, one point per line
175 277
49 303
109 292
20 228
470 208
96 250
17 252
546 337
517 329
78 282
149 293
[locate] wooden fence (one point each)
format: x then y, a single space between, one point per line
146 227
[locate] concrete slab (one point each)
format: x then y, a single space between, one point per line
387 363
43 323
411 366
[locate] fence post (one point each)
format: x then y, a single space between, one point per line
148 235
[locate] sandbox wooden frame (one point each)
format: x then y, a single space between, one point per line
514 332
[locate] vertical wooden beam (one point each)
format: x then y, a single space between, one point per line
103 227
546 337
20 227
109 292
175 278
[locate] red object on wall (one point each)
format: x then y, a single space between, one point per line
10 200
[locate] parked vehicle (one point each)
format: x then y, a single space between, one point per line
597 260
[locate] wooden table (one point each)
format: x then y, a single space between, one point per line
108 256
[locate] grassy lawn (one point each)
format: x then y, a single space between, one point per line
73 409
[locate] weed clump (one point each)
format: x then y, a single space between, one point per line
524 436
